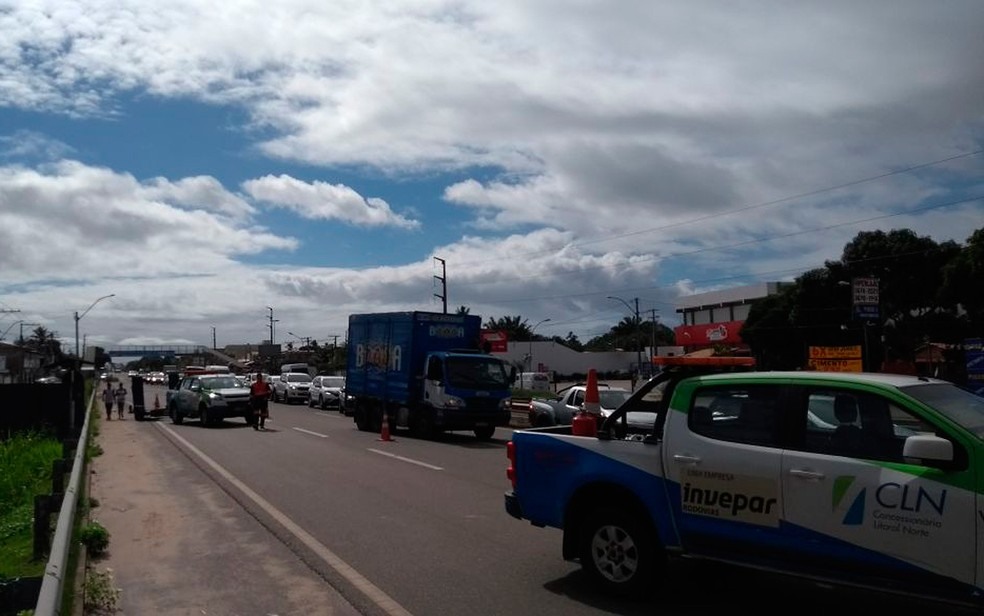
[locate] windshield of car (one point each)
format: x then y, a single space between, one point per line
298 378
959 405
333 381
220 382
477 372
612 398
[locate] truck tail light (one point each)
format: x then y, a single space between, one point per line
511 470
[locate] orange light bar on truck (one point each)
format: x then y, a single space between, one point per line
704 361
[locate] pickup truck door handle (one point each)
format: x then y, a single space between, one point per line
683 458
805 474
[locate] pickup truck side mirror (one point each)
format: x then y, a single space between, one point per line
928 449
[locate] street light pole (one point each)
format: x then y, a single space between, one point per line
533 329
637 322
78 317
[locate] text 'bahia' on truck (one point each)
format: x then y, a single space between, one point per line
425 371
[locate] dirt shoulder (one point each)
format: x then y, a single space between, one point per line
181 545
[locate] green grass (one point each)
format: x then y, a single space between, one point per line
26 460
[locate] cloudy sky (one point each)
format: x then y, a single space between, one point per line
205 162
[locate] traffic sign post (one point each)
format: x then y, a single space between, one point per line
866 303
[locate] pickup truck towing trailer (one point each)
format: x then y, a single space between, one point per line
210 398
858 479
424 371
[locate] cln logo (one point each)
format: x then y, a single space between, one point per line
855 512
889 495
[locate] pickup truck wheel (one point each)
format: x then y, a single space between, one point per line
542 421
176 416
619 551
484 433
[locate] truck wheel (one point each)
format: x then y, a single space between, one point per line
619 550
484 433
542 421
176 417
420 426
204 416
362 419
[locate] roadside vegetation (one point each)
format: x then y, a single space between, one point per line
26 460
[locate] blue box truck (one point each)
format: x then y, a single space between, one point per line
426 372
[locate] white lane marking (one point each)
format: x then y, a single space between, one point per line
373 592
310 432
401 458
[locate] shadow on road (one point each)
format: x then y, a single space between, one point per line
698 588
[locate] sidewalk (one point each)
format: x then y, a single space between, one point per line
181 545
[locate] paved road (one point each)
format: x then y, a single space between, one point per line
315 517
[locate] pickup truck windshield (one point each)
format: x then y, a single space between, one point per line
477 372
959 405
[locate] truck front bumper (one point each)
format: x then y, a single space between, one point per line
464 419
512 506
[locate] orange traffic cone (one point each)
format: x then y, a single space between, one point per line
384 435
585 423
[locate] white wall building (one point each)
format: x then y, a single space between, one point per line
551 356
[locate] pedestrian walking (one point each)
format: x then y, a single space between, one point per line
259 396
120 395
108 399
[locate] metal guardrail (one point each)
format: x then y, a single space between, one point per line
52 585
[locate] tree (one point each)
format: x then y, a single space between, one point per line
46 343
963 279
927 292
463 310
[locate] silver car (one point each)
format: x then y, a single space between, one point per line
291 387
326 392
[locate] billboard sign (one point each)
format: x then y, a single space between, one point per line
866 298
835 358
496 341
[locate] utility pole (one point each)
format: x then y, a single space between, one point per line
214 347
638 325
271 324
21 340
444 284
653 338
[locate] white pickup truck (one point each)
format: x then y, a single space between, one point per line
870 480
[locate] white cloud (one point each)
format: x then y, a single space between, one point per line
324 201
620 147
72 222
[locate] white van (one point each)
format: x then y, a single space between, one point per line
304 368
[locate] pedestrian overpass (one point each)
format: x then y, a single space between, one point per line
168 350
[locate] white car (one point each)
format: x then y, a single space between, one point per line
326 392
291 387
